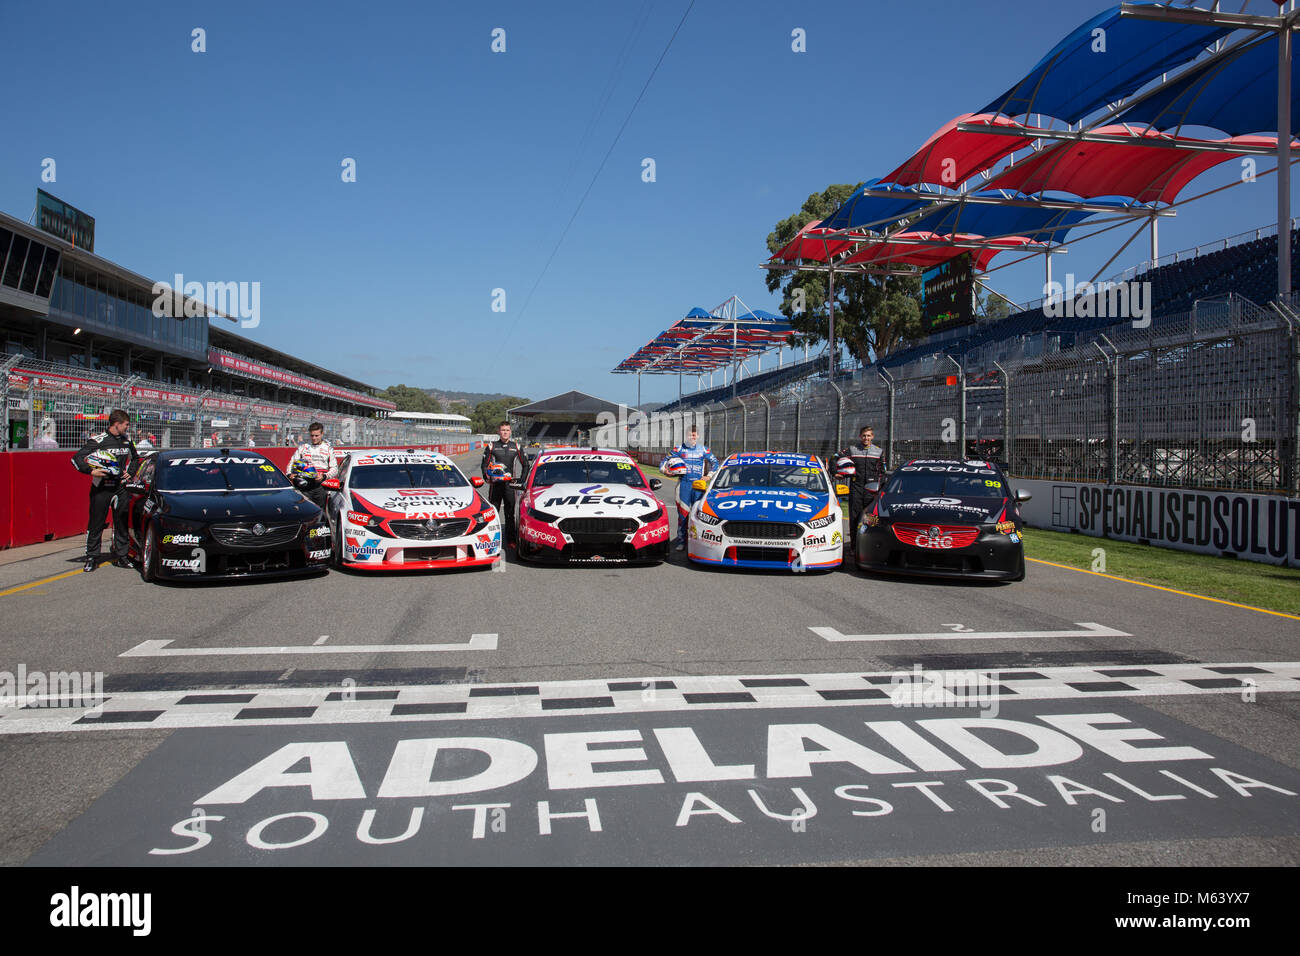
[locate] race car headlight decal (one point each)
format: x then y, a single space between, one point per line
823 522
703 517
652 515
543 516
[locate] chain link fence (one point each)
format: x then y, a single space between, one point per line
1208 399
48 406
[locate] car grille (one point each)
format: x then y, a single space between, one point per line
415 530
614 526
771 530
951 535
243 536
410 555
763 554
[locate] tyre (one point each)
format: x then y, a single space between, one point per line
149 557
336 543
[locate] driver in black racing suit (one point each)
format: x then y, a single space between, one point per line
501 496
869 465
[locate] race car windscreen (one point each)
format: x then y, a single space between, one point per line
410 475
797 477
220 473
587 472
910 484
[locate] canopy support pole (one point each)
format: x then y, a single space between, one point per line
830 323
1155 241
638 391
1284 162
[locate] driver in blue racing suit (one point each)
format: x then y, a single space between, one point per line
699 461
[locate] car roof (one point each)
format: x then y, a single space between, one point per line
173 453
356 454
750 457
583 454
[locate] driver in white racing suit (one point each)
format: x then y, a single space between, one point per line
311 464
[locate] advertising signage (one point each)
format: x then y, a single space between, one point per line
69 223
947 295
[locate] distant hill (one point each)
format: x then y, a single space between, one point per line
471 398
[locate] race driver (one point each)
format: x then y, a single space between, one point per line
699 462
869 465
108 458
318 454
503 453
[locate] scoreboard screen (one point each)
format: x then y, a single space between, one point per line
948 295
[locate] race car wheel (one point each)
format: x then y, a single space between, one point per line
149 558
336 543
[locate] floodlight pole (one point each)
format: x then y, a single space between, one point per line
1284 162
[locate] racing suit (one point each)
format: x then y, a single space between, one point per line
500 495
104 495
869 464
699 461
320 457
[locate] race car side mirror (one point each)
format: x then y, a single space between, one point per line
841 489
655 484
517 485
699 484
1023 495
872 486
476 481
331 483
135 487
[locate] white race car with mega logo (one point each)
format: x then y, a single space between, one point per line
410 510
768 510
587 505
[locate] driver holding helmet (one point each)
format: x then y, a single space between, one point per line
311 464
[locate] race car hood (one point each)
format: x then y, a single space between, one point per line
767 504
424 502
271 505
609 500
942 510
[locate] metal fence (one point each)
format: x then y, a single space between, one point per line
1208 399
50 406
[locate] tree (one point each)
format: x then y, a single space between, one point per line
873 314
410 399
488 415
994 307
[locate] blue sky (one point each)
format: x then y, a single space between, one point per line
225 165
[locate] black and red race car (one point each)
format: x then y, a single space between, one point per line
211 514
945 518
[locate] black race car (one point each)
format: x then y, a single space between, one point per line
220 513
945 518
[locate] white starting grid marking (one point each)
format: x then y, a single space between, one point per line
477 642
326 706
1087 629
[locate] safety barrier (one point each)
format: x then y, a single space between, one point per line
42 497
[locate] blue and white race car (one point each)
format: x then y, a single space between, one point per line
768 510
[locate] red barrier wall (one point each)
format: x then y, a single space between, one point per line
43 497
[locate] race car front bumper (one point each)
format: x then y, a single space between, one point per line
991 556
365 551
822 549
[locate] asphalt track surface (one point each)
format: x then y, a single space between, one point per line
666 714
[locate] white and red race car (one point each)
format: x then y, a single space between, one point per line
586 505
409 510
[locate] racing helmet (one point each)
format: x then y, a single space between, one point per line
303 469
496 471
106 461
844 468
673 466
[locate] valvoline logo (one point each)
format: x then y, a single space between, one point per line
363 549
